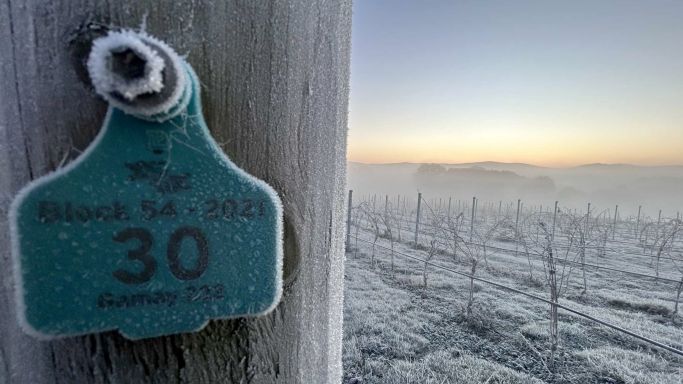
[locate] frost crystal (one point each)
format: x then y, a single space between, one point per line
125 65
127 82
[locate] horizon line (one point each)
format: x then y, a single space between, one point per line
518 163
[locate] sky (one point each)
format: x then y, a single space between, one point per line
552 83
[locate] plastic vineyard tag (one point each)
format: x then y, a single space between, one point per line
152 230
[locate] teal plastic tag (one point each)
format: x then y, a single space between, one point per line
151 231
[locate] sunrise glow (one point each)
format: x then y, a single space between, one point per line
555 84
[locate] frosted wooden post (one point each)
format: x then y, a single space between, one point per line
554 219
519 203
417 217
449 207
274 80
474 203
659 217
386 205
588 215
638 220
614 223
348 220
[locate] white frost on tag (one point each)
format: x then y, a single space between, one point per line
106 81
190 86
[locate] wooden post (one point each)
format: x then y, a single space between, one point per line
554 219
638 220
417 217
274 80
474 204
614 223
349 210
519 205
588 215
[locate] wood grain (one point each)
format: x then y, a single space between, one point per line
275 91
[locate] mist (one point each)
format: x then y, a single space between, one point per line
653 188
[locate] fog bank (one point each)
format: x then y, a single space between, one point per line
603 185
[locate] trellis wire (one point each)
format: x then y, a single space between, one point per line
593 266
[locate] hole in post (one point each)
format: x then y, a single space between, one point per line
80 44
128 64
292 254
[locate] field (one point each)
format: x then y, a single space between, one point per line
399 330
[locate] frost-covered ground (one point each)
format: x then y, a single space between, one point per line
398 331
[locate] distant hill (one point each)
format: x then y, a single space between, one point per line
531 170
498 164
602 184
